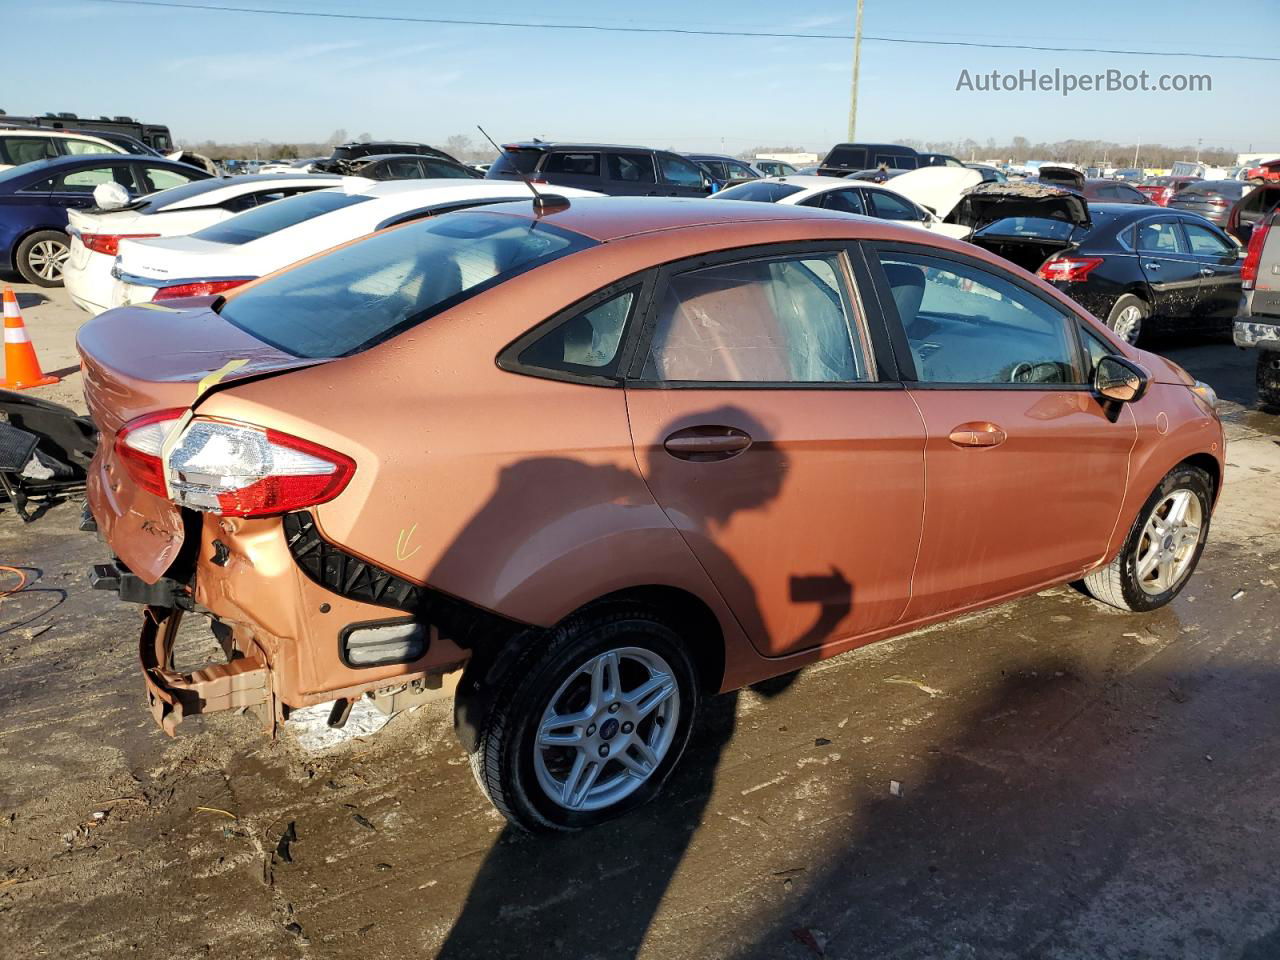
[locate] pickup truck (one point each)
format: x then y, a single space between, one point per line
1257 323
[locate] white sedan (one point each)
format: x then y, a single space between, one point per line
96 233
262 241
920 198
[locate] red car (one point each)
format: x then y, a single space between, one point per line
1160 190
1268 172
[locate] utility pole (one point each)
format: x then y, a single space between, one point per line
1198 142
857 57
1135 153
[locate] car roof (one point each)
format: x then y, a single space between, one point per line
375 157
607 219
572 145
52 165
714 156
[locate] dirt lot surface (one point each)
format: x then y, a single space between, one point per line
1073 783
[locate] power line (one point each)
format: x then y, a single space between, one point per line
388 18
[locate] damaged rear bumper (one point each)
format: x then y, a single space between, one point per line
1251 333
173 696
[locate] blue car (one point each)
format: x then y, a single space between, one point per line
35 198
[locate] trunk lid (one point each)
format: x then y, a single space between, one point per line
140 360
166 260
989 202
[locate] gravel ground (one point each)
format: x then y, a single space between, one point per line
1074 783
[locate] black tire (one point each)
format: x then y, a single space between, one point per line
503 761
1268 380
1117 584
1122 319
41 256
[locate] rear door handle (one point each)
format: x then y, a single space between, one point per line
706 442
1206 272
1152 266
978 433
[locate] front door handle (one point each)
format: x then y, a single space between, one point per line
1206 272
708 442
978 433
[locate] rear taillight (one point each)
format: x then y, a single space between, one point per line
231 469
109 243
1253 254
198 288
1163 196
1068 269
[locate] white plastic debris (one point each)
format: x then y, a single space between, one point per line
895 788
1237 595
310 725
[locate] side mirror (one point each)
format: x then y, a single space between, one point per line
1120 379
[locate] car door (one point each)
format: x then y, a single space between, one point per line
1025 469
791 467
631 174
680 177
1172 274
1219 260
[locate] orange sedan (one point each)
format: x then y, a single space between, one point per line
612 457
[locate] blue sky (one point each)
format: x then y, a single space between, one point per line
233 76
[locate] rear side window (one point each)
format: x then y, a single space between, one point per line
1160 236
764 192
586 343
784 320
845 201
19 150
516 161
855 157
257 223
578 164
359 295
631 167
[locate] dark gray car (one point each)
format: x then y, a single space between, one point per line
1212 199
605 168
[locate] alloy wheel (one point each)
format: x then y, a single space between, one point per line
1129 324
607 729
1168 543
47 259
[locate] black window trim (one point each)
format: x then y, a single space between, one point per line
643 324
643 282
898 334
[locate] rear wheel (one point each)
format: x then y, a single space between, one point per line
1163 546
1127 317
591 723
41 257
1268 378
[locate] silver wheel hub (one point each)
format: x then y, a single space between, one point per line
1129 323
47 259
1168 542
607 729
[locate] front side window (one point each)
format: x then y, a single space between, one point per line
81 148
679 171
967 325
84 181
446 170
1160 236
585 343
359 295
578 164
783 320
1095 349
846 201
20 150
1205 243
631 167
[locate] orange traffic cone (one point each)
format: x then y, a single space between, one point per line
21 366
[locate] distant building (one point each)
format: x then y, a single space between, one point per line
795 159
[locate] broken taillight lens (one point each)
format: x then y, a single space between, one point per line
198 288
1068 269
231 469
109 243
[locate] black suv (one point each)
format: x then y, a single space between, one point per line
617 171
341 158
846 158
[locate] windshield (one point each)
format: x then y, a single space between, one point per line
359 295
257 223
763 191
515 160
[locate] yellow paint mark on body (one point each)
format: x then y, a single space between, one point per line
402 543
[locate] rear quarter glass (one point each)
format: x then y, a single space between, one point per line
361 294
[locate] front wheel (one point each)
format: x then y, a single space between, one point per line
1163 546
1268 379
591 723
41 257
1127 317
